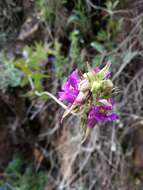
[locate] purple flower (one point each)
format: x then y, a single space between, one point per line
108 76
51 58
70 88
100 113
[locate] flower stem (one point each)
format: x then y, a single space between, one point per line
53 97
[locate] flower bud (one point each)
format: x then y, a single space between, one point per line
96 85
105 70
84 85
81 97
107 85
89 76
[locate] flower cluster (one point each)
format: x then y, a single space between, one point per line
90 95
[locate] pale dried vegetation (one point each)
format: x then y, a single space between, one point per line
107 161
112 158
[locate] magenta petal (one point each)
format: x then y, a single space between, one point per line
114 117
73 79
61 96
69 98
100 114
70 88
66 86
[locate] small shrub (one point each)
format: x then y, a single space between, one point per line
31 66
21 176
10 76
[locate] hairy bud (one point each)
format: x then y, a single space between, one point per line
96 85
84 85
107 85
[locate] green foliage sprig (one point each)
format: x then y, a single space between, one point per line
31 66
105 42
10 76
21 176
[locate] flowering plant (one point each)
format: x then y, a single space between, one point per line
90 95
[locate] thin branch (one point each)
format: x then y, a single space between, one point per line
53 97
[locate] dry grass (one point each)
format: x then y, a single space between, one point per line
101 163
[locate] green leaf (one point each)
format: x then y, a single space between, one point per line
73 19
99 47
129 56
115 4
102 36
96 61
